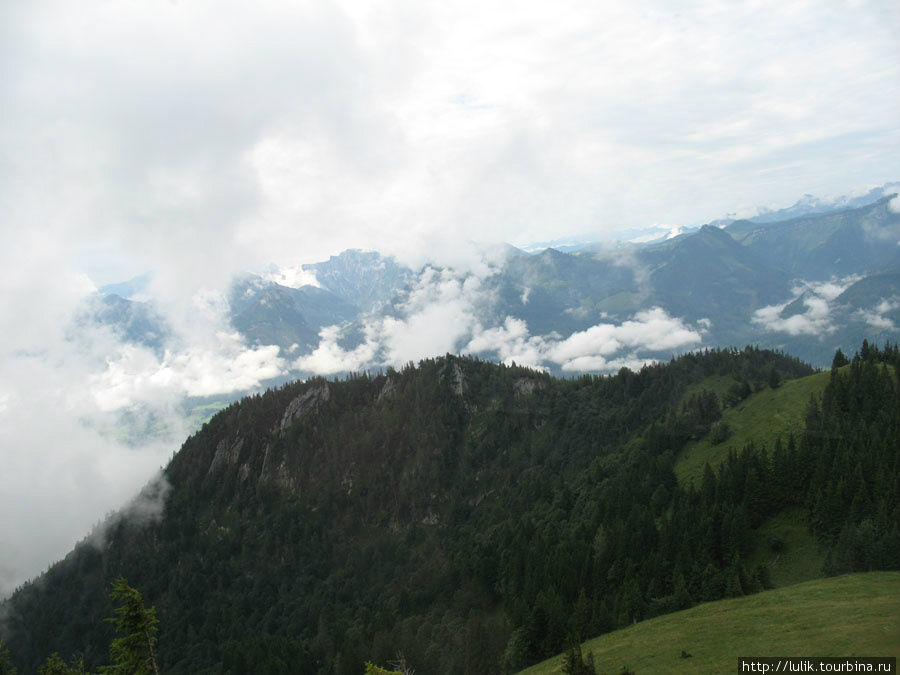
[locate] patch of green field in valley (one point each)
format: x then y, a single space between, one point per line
850 615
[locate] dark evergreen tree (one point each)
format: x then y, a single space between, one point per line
6 666
839 360
132 653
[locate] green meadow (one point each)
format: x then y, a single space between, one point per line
851 615
760 418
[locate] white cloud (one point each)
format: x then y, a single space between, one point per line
138 376
438 314
650 330
816 319
60 474
511 342
875 316
599 364
443 314
436 317
291 276
65 389
329 357
894 204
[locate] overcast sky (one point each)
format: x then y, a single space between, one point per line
198 138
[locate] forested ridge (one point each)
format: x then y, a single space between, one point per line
476 517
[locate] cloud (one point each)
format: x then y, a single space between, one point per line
87 419
138 376
875 316
438 314
329 357
511 342
444 312
145 507
649 331
816 319
292 276
61 474
599 364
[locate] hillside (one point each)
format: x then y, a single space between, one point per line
325 523
857 614
761 418
851 241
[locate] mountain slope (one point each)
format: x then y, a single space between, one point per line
709 275
556 291
761 418
325 523
321 524
807 286
818 247
267 313
131 320
365 279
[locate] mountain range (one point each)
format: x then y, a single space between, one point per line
809 284
478 516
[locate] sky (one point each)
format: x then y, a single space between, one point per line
198 139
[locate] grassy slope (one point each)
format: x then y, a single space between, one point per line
801 558
851 615
761 418
718 384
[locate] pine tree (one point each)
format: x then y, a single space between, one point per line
54 665
132 654
839 360
6 666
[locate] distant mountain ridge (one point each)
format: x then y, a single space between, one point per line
784 284
817 247
812 205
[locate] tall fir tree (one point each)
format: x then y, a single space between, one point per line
132 653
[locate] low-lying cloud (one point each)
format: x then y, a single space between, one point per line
136 375
444 313
329 358
876 317
87 418
651 330
817 318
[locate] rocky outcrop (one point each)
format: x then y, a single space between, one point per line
275 470
303 404
386 390
525 386
228 451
